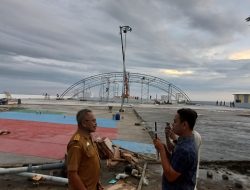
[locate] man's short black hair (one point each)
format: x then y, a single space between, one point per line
188 115
81 114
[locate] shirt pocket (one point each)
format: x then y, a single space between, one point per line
90 151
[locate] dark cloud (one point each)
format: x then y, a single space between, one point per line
56 43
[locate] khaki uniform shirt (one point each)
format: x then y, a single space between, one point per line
83 157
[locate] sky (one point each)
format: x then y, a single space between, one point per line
201 46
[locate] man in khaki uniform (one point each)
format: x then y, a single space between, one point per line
83 162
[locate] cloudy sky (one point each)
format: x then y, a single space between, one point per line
201 46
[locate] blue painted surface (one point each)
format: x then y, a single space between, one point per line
107 123
136 147
53 118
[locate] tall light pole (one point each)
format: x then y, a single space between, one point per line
124 30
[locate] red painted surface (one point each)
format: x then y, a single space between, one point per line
41 139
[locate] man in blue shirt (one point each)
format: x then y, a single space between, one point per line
179 168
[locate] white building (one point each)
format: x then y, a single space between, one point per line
242 100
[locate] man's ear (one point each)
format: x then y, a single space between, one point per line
185 124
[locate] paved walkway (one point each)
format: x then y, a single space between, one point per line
45 135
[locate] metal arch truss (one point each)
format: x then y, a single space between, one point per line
108 84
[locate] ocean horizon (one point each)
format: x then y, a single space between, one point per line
42 96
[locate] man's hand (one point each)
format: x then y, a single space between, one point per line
75 180
158 144
169 133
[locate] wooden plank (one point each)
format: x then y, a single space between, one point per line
142 176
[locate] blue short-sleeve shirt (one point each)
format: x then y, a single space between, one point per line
184 161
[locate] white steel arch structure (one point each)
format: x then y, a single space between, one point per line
105 80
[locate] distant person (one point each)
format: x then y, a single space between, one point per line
83 164
217 103
179 170
197 139
224 103
220 103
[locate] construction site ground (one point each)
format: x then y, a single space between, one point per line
127 130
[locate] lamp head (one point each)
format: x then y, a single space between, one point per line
125 29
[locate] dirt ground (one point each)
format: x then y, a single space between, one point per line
153 175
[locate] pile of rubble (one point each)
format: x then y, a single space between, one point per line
135 167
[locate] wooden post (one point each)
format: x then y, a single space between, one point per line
157 153
142 176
